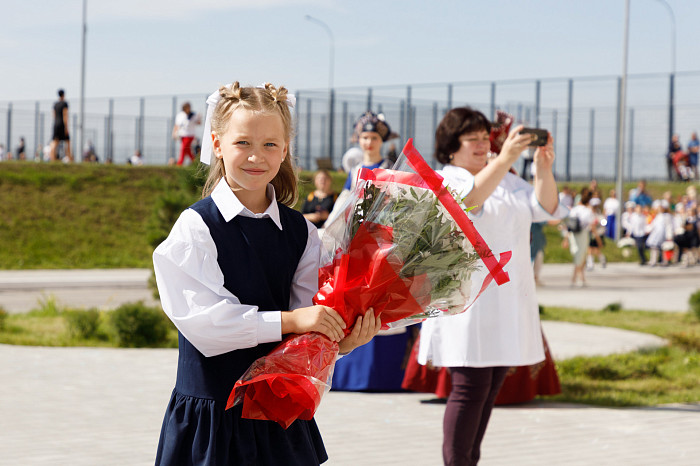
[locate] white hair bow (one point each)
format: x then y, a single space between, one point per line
207 153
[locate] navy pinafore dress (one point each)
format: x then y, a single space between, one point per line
258 262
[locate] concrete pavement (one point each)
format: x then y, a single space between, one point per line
96 406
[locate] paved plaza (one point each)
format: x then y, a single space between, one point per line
96 406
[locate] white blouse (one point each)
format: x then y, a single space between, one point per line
502 327
191 284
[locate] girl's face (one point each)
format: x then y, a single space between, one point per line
473 151
252 148
370 142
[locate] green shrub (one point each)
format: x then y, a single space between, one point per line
137 325
47 307
690 341
83 324
694 303
3 318
167 209
613 307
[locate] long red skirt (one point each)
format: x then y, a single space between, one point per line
522 383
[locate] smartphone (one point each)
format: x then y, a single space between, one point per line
540 136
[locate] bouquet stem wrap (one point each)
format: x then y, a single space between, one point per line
403 246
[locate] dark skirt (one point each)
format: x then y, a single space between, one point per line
198 430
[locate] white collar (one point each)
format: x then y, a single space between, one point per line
229 205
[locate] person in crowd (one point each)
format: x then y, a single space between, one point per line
501 329
693 150
610 208
371 131
89 155
660 231
581 226
137 159
237 273
597 236
566 197
185 128
21 150
674 149
538 241
640 196
626 229
60 127
319 203
638 229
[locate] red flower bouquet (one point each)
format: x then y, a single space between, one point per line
403 246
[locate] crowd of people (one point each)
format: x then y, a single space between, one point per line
663 231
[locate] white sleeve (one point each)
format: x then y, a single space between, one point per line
192 293
305 281
539 214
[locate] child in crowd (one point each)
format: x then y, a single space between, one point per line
371 131
236 274
319 203
660 231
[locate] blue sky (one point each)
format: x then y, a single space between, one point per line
153 47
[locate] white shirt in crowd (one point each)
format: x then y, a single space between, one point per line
186 127
610 206
191 284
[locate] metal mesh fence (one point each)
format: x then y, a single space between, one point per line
581 114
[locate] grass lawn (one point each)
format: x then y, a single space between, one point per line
642 378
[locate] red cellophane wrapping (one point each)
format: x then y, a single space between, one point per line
402 246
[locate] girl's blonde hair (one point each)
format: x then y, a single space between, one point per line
268 99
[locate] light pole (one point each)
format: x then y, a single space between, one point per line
673 67
78 151
330 80
621 110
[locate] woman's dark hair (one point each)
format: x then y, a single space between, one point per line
456 122
586 196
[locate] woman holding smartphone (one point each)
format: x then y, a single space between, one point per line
502 328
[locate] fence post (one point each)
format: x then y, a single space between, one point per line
672 82
331 122
9 129
591 145
617 126
493 99
408 113
554 135
172 141
142 119
402 113
308 133
538 98
344 131
630 125
369 99
109 153
449 96
569 126
37 112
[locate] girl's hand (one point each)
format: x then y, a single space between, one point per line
544 157
515 144
364 330
321 319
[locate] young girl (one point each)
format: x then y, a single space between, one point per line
236 273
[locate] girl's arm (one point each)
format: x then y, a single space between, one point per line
193 296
